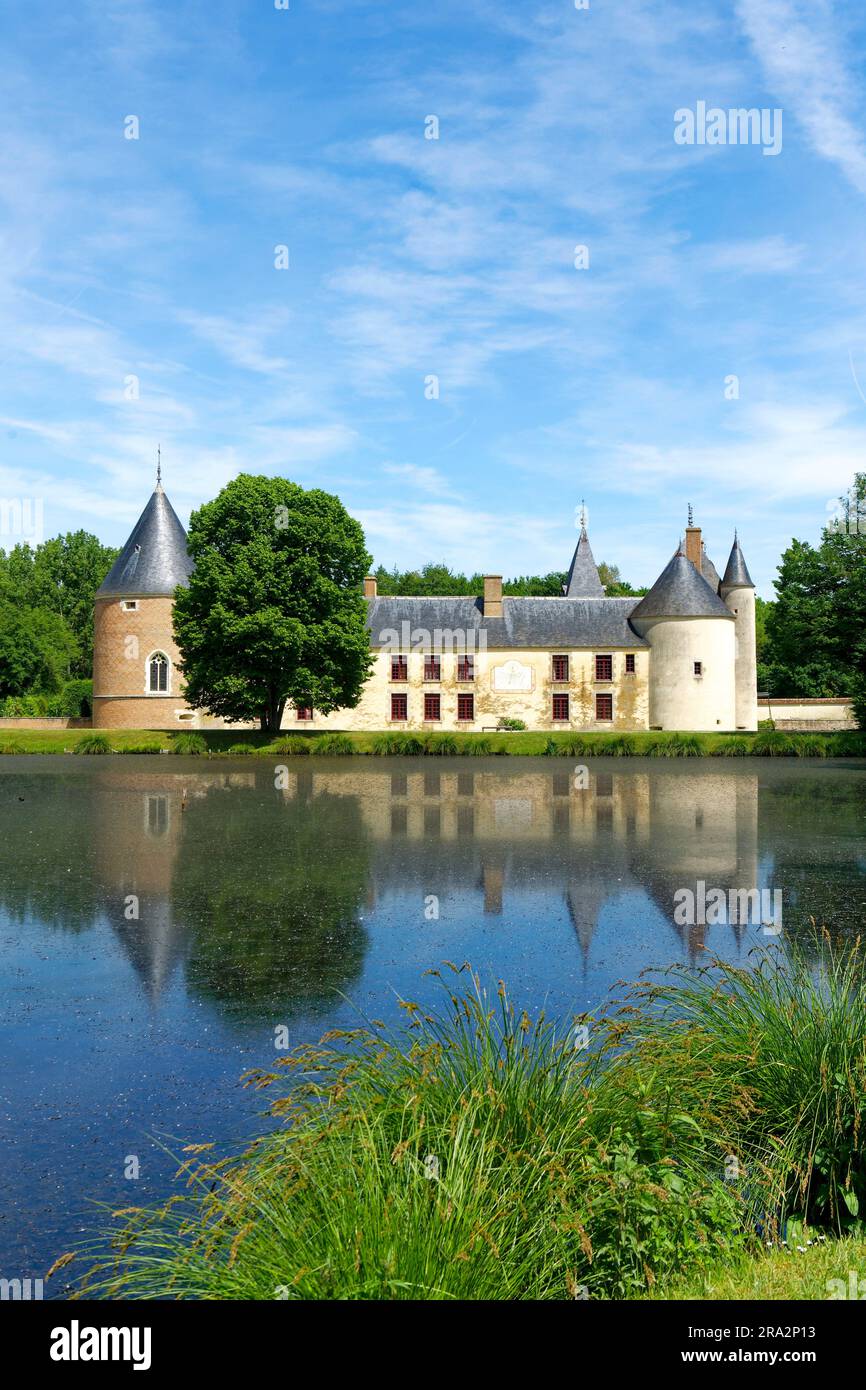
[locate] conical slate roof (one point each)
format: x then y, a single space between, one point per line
736 572
583 580
680 592
709 571
155 559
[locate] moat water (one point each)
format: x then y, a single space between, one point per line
161 917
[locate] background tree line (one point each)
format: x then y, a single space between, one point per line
438 579
46 623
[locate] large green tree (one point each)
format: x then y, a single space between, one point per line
60 577
37 650
815 630
274 610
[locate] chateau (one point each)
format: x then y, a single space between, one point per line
682 657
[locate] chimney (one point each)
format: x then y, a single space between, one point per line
693 546
370 588
493 595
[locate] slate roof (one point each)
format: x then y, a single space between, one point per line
736 571
709 571
583 580
155 559
680 592
526 622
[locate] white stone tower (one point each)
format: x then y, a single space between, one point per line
738 592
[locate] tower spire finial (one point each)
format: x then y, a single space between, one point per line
582 514
691 515
159 465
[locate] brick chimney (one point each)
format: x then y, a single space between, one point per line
493 595
370 586
693 546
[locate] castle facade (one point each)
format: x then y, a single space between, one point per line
682 657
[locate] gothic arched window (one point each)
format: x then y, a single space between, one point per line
157 674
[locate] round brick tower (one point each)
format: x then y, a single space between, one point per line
136 681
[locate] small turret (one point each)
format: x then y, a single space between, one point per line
738 592
583 577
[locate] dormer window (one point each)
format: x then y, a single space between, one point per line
157 674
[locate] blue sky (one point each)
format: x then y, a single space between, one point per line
409 257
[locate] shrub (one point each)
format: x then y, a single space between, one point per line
732 748
93 743
241 750
478 747
76 699
462 1159
782 1065
772 743
511 725
810 746
12 746
140 748
334 743
293 746
442 745
848 744
620 747
189 744
556 748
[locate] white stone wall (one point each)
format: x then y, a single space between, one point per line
517 684
679 699
742 604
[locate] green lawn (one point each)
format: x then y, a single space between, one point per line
803 1272
766 743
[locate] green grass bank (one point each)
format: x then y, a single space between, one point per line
765 743
702 1138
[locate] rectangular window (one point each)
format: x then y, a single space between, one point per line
432 668
305 712
604 707
560 668
465 706
629 663
699 668
604 668
466 668
432 706
560 707
399 668
399 707
130 605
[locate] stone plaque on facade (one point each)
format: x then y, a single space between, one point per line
512 675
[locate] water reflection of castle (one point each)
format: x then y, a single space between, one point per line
490 831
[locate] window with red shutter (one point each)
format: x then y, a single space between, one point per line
560 668
466 668
432 706
399 668
629 663
560 706
399 707
604 668
465 706
604 707
305 712
432 668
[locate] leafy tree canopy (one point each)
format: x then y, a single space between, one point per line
37 649
60 577
815 630
274 610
